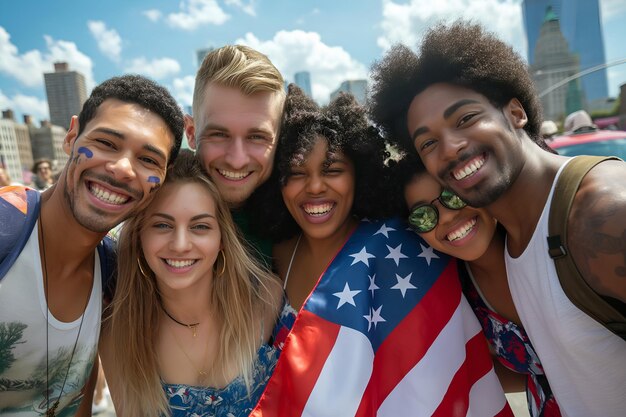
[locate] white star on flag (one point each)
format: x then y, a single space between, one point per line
384 229
346 296
362 256
373 287
428 253
404 284
368 317
376 317
395 254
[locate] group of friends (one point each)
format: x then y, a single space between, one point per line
261 274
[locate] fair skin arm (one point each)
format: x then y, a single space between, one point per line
114 379
597 229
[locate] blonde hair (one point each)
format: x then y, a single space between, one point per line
241 296
239 67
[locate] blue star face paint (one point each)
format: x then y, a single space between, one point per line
154 180
85 151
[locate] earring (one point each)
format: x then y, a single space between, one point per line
141 268
223 262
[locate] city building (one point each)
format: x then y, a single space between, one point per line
358 88
201 53
24 150
303 80
9 152
47 142
66 91
553 62
581 27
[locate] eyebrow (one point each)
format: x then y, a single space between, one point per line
194 218
148 147
446 114
215 126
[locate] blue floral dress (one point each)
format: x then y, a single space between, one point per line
513 349
230 401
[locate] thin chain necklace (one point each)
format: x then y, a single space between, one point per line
51 411
193 326
203 374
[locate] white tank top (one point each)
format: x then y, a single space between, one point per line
32 377
584 362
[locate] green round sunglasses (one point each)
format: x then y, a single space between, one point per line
423 217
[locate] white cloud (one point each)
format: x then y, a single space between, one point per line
22 104
406 23
28 67
68 52
248 8
195 13
293 51
182 90
158 68
109 41
612 9
152 14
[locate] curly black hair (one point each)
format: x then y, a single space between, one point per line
462 54
344 124
142 91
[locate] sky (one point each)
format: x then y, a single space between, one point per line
334 40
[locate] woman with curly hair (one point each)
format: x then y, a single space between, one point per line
193 311
358 321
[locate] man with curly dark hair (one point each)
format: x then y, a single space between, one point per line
466 103
360 287
54 258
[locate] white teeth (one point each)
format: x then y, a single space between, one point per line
318 209
107 196
180 263
469 169
462 231
234 175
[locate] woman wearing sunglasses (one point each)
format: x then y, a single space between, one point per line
445 221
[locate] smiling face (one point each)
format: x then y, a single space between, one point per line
320 192
235 135
464 233
181 237
467 143
119 158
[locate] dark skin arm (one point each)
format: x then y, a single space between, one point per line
85 405
597 229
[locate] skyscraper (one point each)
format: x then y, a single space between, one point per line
358 88
552 64
581 27
66 91
303 80
201 53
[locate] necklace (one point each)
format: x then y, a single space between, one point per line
193 326
51 411
203 374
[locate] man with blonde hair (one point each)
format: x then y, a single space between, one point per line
237 106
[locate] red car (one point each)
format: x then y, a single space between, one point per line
598 142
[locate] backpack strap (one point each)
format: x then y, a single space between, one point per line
19 210
602 309
108 260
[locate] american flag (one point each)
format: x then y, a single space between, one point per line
386 332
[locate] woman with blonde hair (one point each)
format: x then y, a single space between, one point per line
193 311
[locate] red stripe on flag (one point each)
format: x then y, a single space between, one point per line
299 366
407 344
477 363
